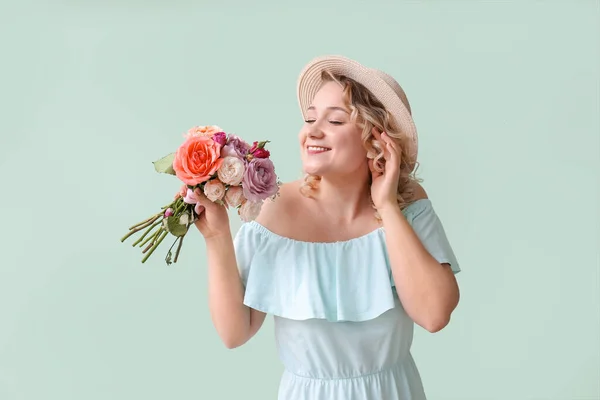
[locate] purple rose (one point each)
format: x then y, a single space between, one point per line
235 147
220 137
260 181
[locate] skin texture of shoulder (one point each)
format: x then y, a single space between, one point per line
419 191
278 212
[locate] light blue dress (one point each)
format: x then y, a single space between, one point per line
341 331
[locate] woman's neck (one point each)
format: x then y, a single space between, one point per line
344 198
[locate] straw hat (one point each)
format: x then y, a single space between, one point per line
383 87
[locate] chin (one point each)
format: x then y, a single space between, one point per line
313 171
312 168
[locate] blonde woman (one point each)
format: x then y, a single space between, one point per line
346 260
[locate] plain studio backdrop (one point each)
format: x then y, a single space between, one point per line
505 98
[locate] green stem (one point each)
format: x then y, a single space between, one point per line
181 204
152 218
146 233
173 244
148 247
170 204
169 254
151 237
178 248
177 208
155 246
145 225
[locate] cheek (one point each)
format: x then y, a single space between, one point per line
301 138
352 157
356 148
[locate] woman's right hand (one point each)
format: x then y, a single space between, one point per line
213 220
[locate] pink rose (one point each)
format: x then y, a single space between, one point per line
261 153
214 190
231 171
197 159
234 196
235 147
250 210
258 150
260 181
220 137
207 131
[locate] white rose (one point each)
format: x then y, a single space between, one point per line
231 171
184 219
249 210
214 190
234 196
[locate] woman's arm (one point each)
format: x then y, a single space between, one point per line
427 289
235 322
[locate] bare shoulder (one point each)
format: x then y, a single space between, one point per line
276 211
419 191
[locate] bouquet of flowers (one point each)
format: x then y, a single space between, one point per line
224 168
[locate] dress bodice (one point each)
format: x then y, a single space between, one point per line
341 330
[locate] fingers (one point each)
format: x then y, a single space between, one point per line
201 198
391 153
380 141
202 202
376 134
198 208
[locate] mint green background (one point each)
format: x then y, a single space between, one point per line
505 96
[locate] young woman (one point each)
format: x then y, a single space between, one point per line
348 259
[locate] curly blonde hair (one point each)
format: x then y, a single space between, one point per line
369 113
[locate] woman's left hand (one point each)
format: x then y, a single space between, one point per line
384 186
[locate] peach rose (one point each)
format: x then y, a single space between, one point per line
214 190
234 196
250 210
197 159
208 131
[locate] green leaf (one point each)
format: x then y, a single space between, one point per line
175 228
261 145
165 164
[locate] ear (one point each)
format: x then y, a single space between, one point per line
374 173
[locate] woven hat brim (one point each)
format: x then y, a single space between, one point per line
309 83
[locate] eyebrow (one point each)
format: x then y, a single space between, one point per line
330 108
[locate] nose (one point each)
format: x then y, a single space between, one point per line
314 131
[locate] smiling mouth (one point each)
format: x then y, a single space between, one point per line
317 149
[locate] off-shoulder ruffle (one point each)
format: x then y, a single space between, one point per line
338 281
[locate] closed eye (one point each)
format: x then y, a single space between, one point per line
310 121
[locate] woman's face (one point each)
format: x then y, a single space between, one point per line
330 142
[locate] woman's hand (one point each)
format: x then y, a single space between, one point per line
213 219
384 186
